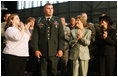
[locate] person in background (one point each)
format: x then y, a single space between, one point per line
16 50
89 26
3 25
66 47
48 41
31 22
32 62
79 52
72 23
92 45
105 41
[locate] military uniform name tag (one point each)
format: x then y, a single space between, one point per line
55 24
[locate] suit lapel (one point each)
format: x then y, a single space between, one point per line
84 32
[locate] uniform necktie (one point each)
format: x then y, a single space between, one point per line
48 20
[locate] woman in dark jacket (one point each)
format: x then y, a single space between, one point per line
105 40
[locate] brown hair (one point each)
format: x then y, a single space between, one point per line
82 19
30 19
11 17
47 4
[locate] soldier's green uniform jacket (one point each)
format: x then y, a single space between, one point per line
48 38
3 25
91 27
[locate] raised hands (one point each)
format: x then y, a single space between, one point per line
105 35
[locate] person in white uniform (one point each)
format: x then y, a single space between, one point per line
16 50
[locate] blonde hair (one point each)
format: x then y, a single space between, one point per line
11 17
82 19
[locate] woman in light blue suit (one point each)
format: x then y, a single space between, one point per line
79 42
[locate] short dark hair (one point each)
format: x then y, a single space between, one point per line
47 4
6 14
73 17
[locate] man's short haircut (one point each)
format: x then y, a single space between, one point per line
6 14
47 4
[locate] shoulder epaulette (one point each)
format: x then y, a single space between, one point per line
39 19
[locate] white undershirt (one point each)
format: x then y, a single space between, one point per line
16 45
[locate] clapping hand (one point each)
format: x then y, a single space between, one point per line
21 26
60 53
105 35
79 33
27 26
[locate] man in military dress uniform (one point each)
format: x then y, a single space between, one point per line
48 41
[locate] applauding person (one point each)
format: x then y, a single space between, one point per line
16 50
79 52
